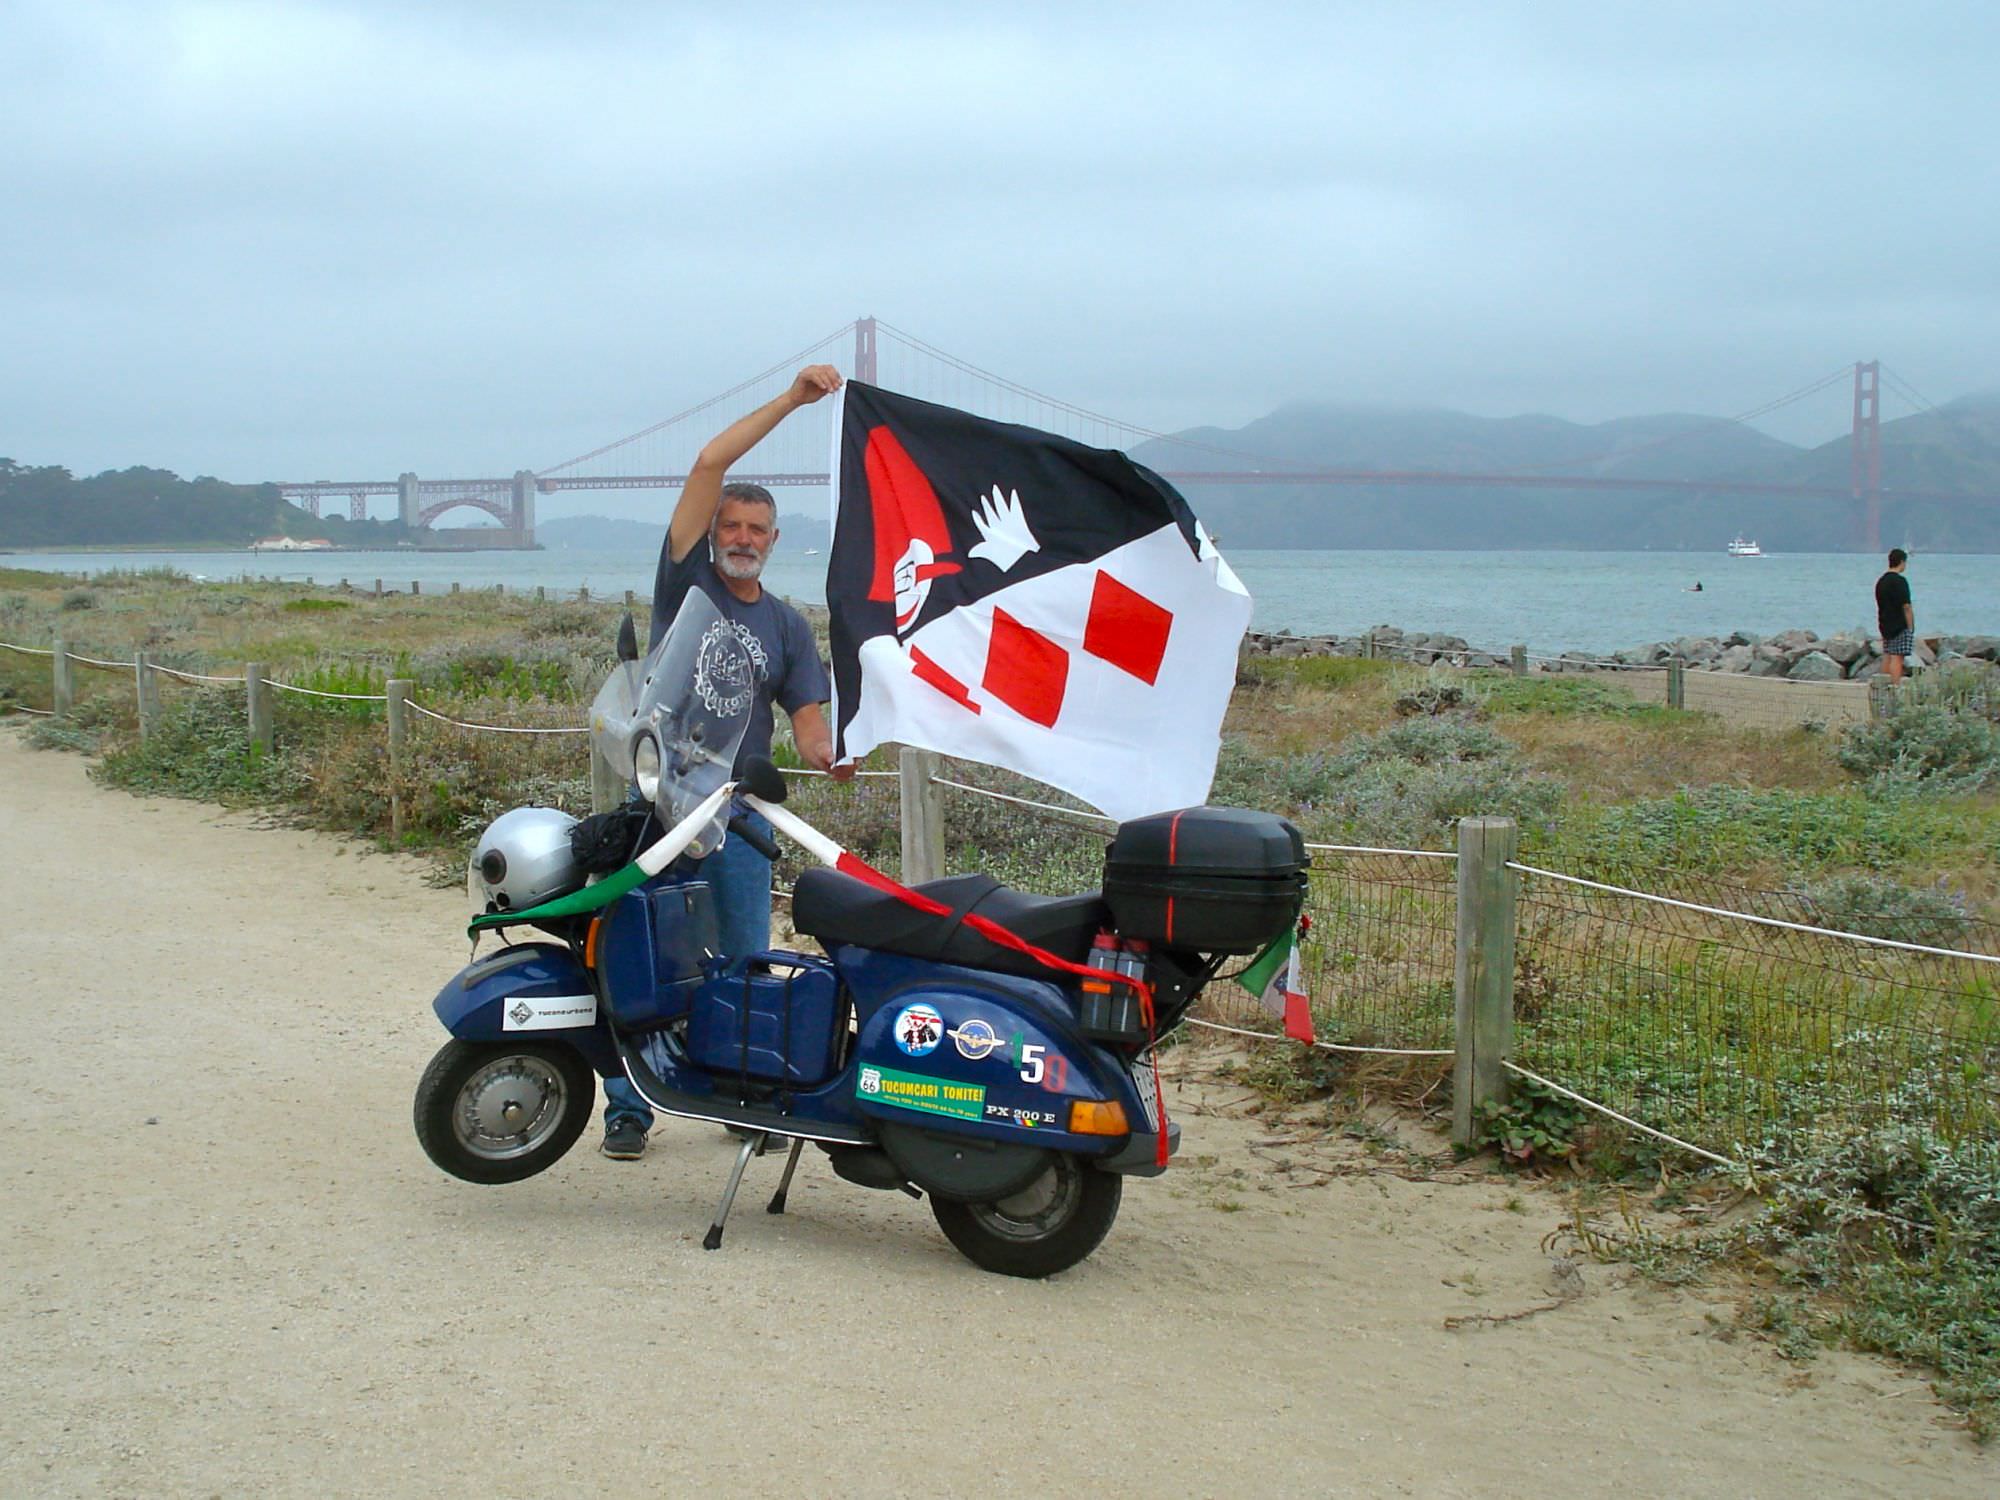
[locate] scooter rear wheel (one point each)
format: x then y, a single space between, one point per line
1050 1225
500 1111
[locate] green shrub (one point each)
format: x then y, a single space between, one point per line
1405 786
77 599
199 749
1328 673
1714 828
1882 906
1559 697
314 606
1925 744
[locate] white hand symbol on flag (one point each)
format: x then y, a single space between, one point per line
1003 530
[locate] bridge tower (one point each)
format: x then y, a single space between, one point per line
357 507
523 518
864 351
407 507
1866 450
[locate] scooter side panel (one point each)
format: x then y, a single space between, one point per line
963 1051
532 991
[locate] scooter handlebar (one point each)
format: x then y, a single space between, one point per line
742 828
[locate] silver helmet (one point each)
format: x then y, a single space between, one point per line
522 860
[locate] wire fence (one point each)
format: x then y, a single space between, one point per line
1728 1028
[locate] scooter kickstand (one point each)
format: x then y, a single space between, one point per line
777 1203
713 1239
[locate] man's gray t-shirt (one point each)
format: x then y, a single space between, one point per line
789 671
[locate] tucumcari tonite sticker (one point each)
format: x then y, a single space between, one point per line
931 1096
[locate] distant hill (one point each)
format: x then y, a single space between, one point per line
1955 448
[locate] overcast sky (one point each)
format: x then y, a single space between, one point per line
304 240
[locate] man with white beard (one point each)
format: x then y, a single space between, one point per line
718 542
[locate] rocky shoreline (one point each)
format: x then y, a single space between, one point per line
1799 655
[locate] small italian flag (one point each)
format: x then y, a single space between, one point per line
1273 977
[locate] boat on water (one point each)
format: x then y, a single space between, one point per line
1742 547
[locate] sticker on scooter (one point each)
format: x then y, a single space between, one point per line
1039 1065
976 1040
918 1030
549 1012
931 1096
1027 1119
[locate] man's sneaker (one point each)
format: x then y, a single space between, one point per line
624 1140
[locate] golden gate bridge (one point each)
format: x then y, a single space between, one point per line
659 456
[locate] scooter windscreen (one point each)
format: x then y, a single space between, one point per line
674 722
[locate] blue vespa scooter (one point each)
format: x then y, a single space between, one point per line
988 1049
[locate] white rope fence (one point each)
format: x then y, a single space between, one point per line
286 687
1265 1036
492 728
1744 916
1604 1109
1078 813
24 650
196 676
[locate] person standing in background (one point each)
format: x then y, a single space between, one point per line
1895 615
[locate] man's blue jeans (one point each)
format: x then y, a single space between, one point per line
740 880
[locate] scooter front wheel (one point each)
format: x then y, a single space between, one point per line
501 1111
1050 1225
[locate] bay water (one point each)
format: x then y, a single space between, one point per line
1547 601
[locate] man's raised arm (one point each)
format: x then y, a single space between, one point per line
695 511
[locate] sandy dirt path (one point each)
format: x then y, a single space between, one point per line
229 1268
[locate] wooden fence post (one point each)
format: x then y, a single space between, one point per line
454 588
257 701
1484 975
148 687
398 690
1676 685
923 817
541 593
628 598
607 787
1517 658
416 587
62 685
378 588
1368 645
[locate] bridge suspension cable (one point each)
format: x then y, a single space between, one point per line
738 389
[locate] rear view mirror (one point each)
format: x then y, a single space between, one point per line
628 639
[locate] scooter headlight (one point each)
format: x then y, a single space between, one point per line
646 766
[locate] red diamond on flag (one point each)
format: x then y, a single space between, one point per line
1025 670
1126 629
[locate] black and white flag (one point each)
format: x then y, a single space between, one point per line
1012 597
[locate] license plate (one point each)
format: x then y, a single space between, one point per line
1145 1077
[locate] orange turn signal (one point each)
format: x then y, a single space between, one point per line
590 942
1097 1117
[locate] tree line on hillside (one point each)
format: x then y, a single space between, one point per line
47 506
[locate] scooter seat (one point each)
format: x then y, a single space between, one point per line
837 908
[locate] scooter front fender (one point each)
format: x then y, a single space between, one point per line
532 991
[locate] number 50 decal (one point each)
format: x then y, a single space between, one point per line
1052 1073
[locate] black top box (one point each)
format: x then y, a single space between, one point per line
1207 879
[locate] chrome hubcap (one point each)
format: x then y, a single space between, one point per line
509 1107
